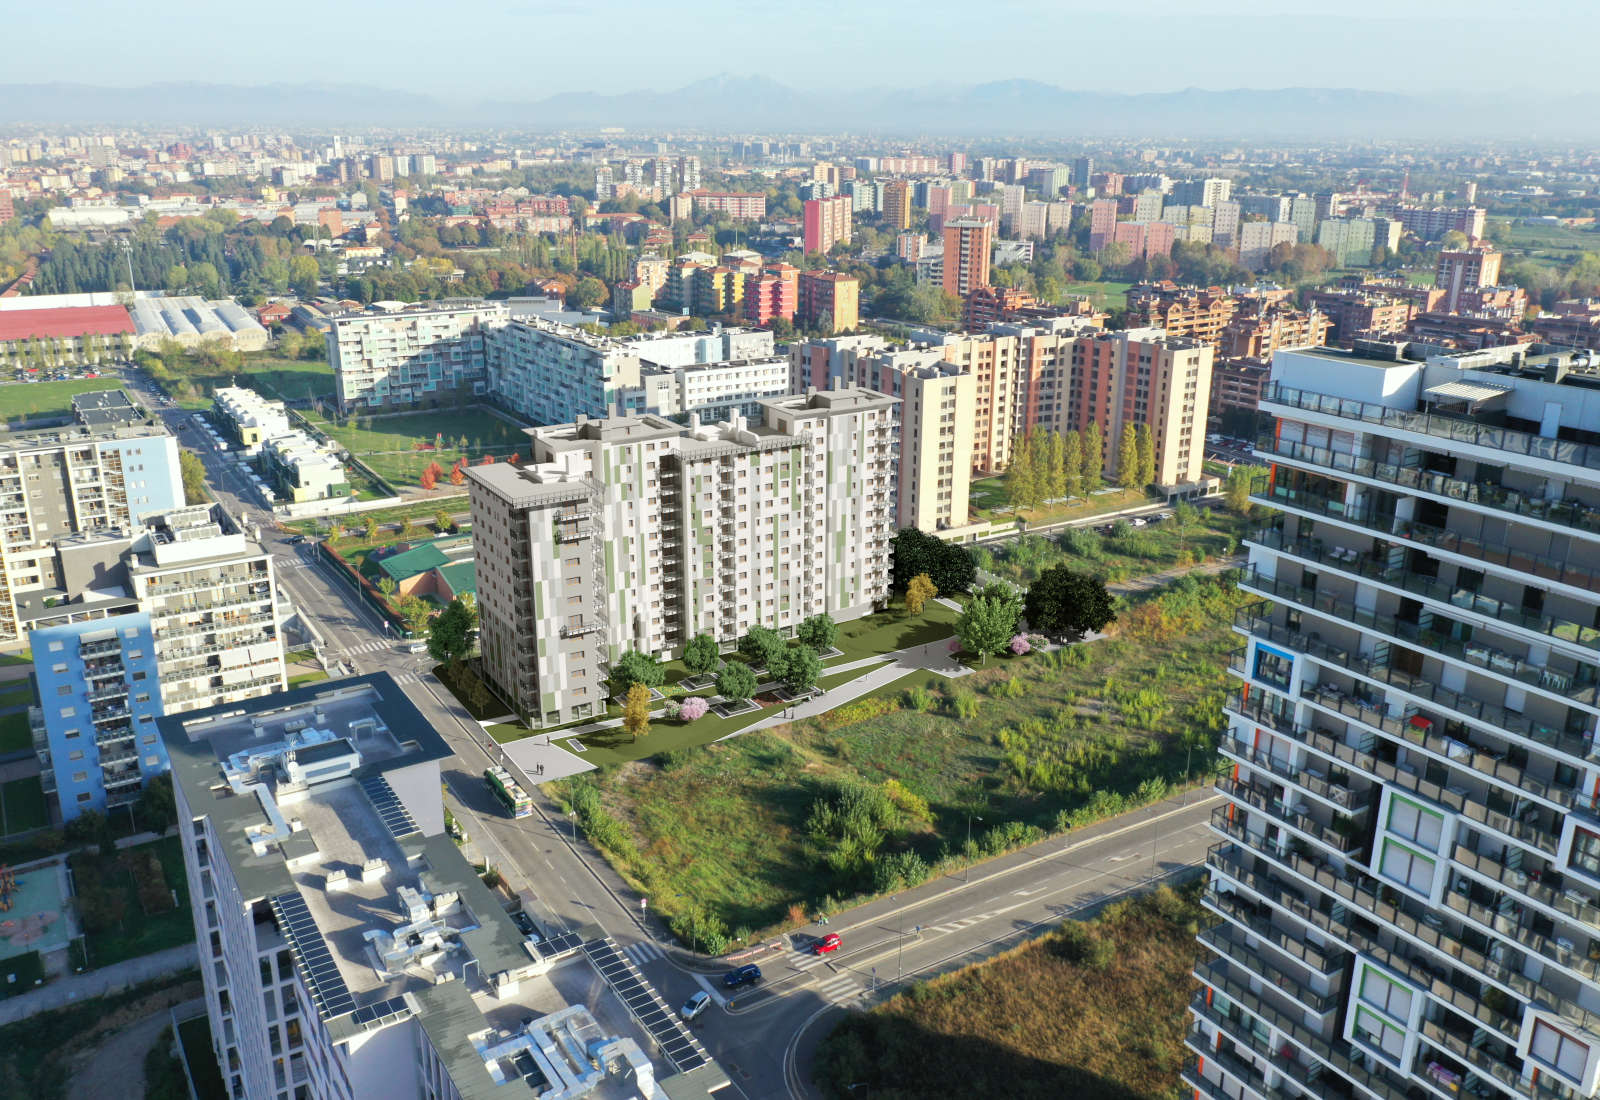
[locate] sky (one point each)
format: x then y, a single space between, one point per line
495 49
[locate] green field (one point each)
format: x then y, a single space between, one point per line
1105 295
989 493
388 443
1092 1009
23 804
47 399
15 733
1127 552
125 928
1026 745
288 379
1553 238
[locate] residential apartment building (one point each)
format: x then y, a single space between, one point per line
635 532
1353 241
1258 239
1407 879
76 480
897 204
1431 223
349 950
1459 271
181 613
772 293
829 294
1354 310
1573 323
404 357
713 391
826 222
248 418
1196 313
967 244
1202 192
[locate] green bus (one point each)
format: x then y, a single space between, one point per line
509 792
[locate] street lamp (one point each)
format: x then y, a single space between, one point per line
967 877
694 925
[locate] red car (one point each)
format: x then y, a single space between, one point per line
827 944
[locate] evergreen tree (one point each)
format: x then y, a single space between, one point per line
1093 457
1128 458
1071 464
1058 477
1021 479
1146 441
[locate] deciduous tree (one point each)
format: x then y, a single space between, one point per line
1063 601
1093 457
636 711
451 633
819 632
736 682
700 656
990 620
919 592
1128 458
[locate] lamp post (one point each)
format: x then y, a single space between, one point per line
967 877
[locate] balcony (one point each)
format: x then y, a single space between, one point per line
1341 794
579 630
101 648
1326 961
1497 718
1461 1048
1310 1078
1575 904
1455 429
1557 951
1448 597
1497 662
1294 818
106 694
1561 513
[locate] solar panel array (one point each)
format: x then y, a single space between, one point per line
555 947
396 818
682 1048
381 1014
311 952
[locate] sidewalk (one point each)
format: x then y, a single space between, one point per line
94 983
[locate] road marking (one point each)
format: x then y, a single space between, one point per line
1026 893
840 988
642 952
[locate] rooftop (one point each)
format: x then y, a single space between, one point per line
23 324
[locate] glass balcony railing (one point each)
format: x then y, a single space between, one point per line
1341 794
1579 905
1290 815
1453 428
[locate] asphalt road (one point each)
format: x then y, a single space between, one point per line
763 1035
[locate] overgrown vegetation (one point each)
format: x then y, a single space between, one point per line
1092 1010
1191 537
728 838
132 902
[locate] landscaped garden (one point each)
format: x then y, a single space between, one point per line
1190 537
1093 1009
399 447
133 901
743 836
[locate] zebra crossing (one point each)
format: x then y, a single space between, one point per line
642 952
295 562
806 960
366 647
840 988
406 678
964 922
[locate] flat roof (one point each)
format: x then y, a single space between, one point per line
23 324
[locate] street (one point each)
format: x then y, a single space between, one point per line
763 1035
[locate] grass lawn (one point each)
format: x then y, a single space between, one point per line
287 379
15 733
195 1037
22 657
887 631
1105 295
1031 743
41 399
422 512
387 443
1118 556
137 932
311 677
19 972
24 805
19 693
1092 1009
988 494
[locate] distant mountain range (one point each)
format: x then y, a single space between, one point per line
756 104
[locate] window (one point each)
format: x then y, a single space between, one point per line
68 712
1558 1050
1273 668
80 777
1411 821
1410 869
1388 997
1379 1034
1586 852
64 689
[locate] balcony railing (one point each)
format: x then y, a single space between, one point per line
1327 962
1276 808
1561 512
1352 801
1436 425
1497 718
1571 903
1339 606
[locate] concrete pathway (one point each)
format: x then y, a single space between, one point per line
110 1068
94 983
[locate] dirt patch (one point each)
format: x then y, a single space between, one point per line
99 1060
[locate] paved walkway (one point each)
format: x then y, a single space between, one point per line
94 983
108 1068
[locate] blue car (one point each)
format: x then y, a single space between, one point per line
744 975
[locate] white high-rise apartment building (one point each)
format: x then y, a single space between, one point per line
1408 878
411 355
638 533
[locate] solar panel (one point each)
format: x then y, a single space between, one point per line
554 947
381 1013
396 818
317 968
675 1041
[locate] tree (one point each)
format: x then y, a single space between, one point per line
409 528
589 292
1071 464
369 525
801 669
387 586
450 635
700 656
157 808
736 682
193 472
633 668
415 613
1056 451
919 592
990 620
1237 489
1093 457
947 565
636 711
1021 478
457 475
1063 601
1128 458
819 632
442 521
1146 441
763 647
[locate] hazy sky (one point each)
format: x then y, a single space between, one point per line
464 50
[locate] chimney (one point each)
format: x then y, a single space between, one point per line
581 420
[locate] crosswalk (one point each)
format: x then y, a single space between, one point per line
805 960
407 678
964 922
840 988
290 563
642 952
366 647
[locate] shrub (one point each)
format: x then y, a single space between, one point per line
858 710
1020 645
965 704
692 708
898 870
920 699
911 804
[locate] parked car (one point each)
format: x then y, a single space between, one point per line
747 974
297 540
695 1005
827 944
417 647
524 923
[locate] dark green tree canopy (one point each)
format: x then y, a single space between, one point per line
1063 601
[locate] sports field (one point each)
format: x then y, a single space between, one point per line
30 399
389 444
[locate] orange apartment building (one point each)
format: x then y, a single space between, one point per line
967 244
829 292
